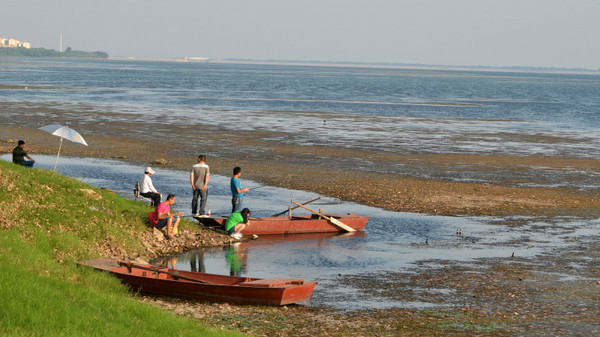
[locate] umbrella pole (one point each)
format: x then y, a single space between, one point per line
58 154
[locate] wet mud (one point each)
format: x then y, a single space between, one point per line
554 294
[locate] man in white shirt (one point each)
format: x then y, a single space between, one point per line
147 188
199 176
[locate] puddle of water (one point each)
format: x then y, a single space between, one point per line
391 241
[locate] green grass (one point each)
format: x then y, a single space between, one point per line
47 224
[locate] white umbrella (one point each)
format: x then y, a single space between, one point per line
63 132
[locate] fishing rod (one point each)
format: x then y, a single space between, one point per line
195 217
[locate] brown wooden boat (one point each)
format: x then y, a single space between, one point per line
204 286
298 224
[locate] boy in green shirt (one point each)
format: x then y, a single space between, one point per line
236 223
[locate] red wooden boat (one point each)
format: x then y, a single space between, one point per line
210 287
297 224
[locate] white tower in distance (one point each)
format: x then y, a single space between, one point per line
60 44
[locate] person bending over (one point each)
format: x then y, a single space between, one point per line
237 222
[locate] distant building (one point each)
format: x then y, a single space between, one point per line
13 43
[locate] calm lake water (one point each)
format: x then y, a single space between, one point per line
391 241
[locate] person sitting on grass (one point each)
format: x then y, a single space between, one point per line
236 223
166 218
19 155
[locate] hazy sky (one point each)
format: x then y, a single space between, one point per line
542 33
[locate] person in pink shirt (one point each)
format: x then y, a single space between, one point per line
166 218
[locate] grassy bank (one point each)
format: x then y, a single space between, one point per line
48 223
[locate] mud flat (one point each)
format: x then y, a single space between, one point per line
337 171
556 293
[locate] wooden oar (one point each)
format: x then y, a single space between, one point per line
293 208
331 219
157 271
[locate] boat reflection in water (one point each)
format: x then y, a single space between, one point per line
170 263
236 255
267 256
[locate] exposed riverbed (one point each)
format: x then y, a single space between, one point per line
393 243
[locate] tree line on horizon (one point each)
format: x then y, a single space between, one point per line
43 52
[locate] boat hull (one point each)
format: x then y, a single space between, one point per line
209 287
295 225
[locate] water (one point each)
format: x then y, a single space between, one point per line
391 241
384 110
378 110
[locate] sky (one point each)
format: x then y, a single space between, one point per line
529 33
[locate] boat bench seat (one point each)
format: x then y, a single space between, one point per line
337 215
331 215
272 282
153 275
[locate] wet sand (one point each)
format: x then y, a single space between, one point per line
493 297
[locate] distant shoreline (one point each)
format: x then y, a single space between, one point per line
51 53
411 66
